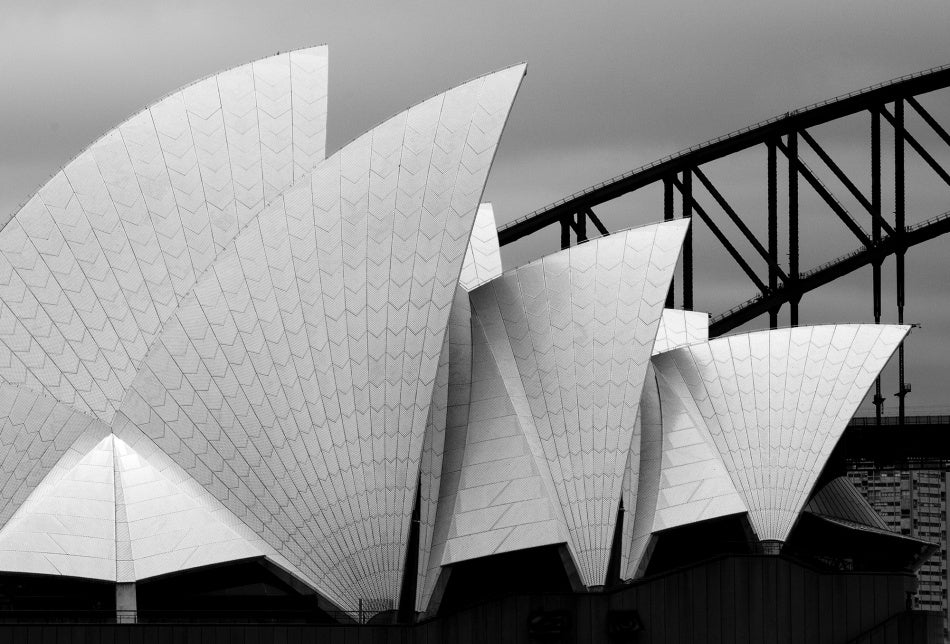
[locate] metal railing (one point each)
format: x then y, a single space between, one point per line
891 421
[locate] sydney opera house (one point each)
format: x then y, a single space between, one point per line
243 381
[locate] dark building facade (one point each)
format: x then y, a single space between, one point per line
903 471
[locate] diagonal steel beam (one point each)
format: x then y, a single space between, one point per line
736 255
829 199
737 220
842 177
918 148
748 137
810 280
594 219
929 120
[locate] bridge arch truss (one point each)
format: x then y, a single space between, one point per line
786 137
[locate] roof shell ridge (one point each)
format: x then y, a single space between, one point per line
232 244
5 218
905 327
512 271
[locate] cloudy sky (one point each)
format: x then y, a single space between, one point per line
610 86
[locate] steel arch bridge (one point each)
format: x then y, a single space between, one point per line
786 135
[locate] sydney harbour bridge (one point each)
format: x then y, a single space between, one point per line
901 136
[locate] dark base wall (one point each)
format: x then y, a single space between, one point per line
730 599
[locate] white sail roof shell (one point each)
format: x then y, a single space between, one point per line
572 335
36 432
774 404
111 514
680 479
101 256
296 379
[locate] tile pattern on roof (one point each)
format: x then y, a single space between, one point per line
579 326
694 483
439 477
678 328
641 481
433 446
108 513
681 478
839 499
295 381
36 432
496 498
483 257
100 257
775 403
67 525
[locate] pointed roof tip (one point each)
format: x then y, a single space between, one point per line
6 217
279 52
673 223
903 329
480 77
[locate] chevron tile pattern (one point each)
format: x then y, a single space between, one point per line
448 416
295 381
678 328
110 514
641 480
681 478
774 404
573 333
103 254
483 257
493 497
36 433
482 263
67 526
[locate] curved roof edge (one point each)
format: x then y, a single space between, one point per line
933 71
6 217
774 403
136 216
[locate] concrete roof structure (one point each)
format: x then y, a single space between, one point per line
218 345
115 516
102 255
570 336
746 424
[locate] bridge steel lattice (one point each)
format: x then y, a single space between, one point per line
784 135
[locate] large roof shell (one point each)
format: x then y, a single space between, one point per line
774 404
572 334
102 255
109 513
296 379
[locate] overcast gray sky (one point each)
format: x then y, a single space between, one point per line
610 86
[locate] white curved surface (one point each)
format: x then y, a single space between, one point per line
774 404
37 433
483 257
572 334
109 513
295 381
679 328
100 257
